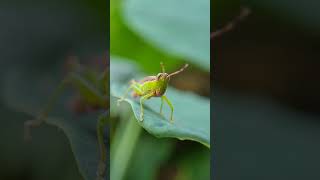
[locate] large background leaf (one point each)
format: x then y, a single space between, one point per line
126 43
191 115
180 28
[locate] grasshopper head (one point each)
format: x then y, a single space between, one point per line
163 76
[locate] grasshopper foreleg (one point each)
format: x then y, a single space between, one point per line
142 99
170 105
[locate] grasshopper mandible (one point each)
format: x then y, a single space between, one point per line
152 86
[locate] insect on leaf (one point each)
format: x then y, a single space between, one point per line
191 113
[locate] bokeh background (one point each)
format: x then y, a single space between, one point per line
36 37
144 33
266 90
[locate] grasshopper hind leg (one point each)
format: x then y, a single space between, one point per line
161 107
134 86
170 105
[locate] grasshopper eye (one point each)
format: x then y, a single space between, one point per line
158 76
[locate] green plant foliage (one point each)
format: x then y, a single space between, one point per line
125 43
157 151
80 130
180 28
195 165
124 143
191 115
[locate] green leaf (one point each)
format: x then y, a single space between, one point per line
180 28
126 43
83 141
27 91
191 114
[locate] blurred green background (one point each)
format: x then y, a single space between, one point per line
266 90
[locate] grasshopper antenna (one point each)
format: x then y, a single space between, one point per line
228 27
179 71
162 67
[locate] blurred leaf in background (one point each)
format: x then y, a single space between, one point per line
126 44
173 33
175 27
80 129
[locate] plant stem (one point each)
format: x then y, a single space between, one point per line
122 150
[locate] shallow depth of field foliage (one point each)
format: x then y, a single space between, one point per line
65 147
143 34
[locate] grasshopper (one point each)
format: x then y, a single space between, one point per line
92 86
152 86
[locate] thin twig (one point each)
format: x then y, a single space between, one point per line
228 27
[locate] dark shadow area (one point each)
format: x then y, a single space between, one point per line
266 91
36 38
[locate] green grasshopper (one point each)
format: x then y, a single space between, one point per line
92 87
152 86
